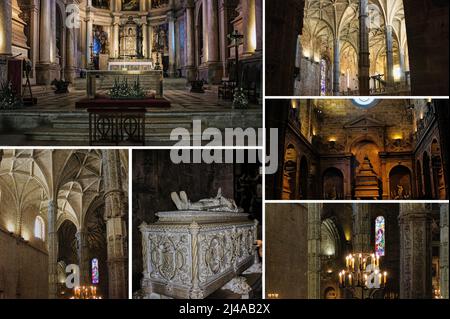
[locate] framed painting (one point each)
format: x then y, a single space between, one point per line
130 5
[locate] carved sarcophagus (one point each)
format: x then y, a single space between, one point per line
190 254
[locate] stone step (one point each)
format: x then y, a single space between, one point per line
60 135
153 123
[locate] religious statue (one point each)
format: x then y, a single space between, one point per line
216 204
400 193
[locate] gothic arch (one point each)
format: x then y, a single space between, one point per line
400 182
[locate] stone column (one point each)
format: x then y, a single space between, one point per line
259 25
116 229
415 251
361 228
389 57
249 26
89 23
116 33
205 30
314 223
46 67
150 40
5 37
52 213
214 68
443 258
336 67
144 38
191 72
70 54
364 53
402 66
83 256
172 47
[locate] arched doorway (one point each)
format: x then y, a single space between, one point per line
400 183
96 231
419 180
67 253
333 184
427 176
304 172
438 172
289 173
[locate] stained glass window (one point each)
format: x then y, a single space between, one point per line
379 236
323 77
95 272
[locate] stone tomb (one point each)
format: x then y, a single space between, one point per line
192 253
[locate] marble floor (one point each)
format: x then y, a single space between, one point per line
56 121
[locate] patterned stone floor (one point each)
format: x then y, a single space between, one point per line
174 90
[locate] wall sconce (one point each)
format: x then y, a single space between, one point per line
332 139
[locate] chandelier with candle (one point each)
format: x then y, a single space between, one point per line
362 272
85 292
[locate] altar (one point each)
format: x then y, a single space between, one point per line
130 65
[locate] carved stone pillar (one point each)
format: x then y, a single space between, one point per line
70 54
249 26
83 256
361 228
172 47
214 67
402 66
191 72
144 38
443 259
52 213
5 37
314 223
364 53
389 56
415 251
258 24
89 34
115 37
336 67
205 30
46 68
116 229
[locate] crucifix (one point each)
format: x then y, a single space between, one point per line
236 40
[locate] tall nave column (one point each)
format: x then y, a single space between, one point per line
83 256
5 36
415 251
389 56
336 66
172 47
52 213
361 228
205 30
443 255
46 68
89 23
249 26
214 66
314 237
116 229
191 72
364 53
69 69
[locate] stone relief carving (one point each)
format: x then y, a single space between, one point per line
238 285
216 204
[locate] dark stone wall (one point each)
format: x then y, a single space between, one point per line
427 31
286 250
284 20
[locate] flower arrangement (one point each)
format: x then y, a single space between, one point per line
8 99
240 99
123 90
